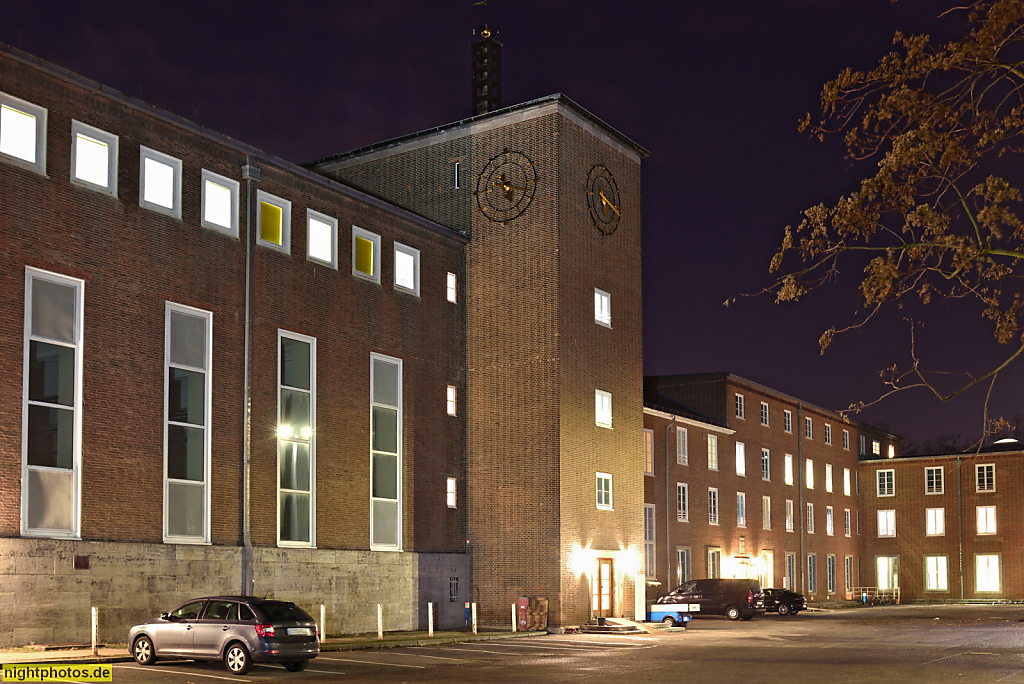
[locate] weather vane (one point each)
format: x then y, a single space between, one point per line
485 32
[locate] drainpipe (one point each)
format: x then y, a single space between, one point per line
250 174
960 524
668 507
799 474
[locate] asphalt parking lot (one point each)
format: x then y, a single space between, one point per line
875 644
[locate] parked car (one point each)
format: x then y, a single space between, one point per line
784 601
734 598
239 630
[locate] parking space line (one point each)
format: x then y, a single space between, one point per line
368 662
164 668
470 647
585 647
603 643
424 655
332 672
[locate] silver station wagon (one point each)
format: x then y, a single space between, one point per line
239 630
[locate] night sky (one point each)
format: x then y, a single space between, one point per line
714 90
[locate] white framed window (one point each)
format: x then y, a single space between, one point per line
450 399
682 502
159 182
51 445
764 413
846 439
862 444
220 203
296 437
846 481
365 254
712 452
847 527
766 463
935 522
790 516
682 446
602 308
828 478
407 269
714 562
273 222
649 544
385 453
986 519
766 512
787 420
887 523
93 158
22 133
849 573
604 491
812 573
828 435
810 518
830 568
829 522
886 482
985 477
321 238
887 570
741 459
933 480
740 408
603 409
451 492
936 573
741 509
808 428
451 287
188 350
682 564
986 572
648 452
789 579
876 447
788 469
713 505
892 451
455 173
810 473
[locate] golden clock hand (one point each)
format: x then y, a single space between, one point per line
607 202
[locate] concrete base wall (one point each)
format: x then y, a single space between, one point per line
44 599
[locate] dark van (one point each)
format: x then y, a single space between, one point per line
733 598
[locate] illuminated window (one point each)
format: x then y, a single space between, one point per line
450 402
846 439
740 410
602 308
886 523
159 182
887 569
714 563
985 477
766 512
741 509
986 572
451 287
365 254
450 493
847 527
935 522
321 238
385 452
93 158
829 523
273 222
220 203
936 573
788 468
187 452
712 452
741 459
892 451
764 413
296 427
808 429
766 462
886 482
810 474
604 491
810 518
933 483
648 452
649 544
407 269
602 409
876 448
682 446
846 481
986 519
828 477
787 420
682 564
828 433
682 502
712 505
790 516
22 133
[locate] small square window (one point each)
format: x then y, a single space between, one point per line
22 133
602 308
603 408
451 286
159 182
407 269
220 203
604 491
273 222
933 483
365 254
321 238
985 477
94 158
450 492
450 402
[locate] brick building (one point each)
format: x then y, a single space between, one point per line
759 484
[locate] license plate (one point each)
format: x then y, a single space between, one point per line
299 631
694 607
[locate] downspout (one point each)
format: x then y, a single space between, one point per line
250 174
668 506
960 523
800 469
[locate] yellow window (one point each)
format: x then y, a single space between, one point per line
270 223
364 255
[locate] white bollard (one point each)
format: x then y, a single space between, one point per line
95 630
474 618
380 624
513 618
430 619
323 622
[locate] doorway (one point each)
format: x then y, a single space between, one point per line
601 588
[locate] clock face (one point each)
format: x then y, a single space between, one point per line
603 199
504 189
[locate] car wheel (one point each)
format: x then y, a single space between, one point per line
237 659
295 665
733 613
783 609
143 651
669 621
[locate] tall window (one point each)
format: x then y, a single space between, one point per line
808 429
766 512
450 492
682 565
159 182
604 491
714 563
741 509
812 573
935 521
52 410
740 409
187 428
986 572
682 447
712 505
741 459
887 523
450 400
885 481
296 429
849 573
451 287
933 480
407 269
810 473
936 573
810 518
829 524
887 570
602 308
766 471
846 439
986 519
828 438
365 254
321 238
788 467
648 452
789 580
764 413
220 203
985 477
787 420
22 133
682 502
602 408
862 445
385 452
830 567
712 452
828 477
846 481
93 158
847 527
790 516
649 567
876 448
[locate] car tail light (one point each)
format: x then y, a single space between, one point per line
750 598
265 630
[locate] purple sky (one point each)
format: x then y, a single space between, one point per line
714 90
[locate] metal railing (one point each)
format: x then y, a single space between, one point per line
871 596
